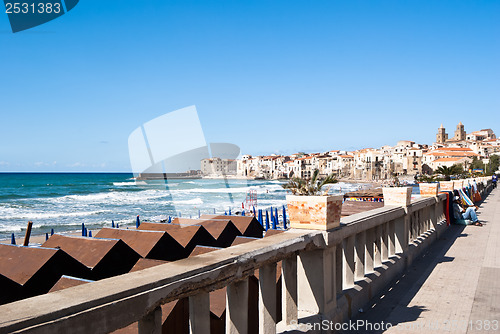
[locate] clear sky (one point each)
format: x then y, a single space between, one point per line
270 76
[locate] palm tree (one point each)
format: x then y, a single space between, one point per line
427 178
309 187
447 172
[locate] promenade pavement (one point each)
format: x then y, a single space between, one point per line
453 288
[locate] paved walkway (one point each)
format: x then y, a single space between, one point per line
453 288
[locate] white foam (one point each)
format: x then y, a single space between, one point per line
114 197
194 201
35 215
215 190
120 184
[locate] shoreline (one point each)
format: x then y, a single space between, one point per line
37 240
42 227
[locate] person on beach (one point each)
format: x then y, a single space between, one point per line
465 216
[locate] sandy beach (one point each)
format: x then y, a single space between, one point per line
37 240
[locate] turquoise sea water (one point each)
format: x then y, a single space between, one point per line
64 201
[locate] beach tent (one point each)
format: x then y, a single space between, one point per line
198 250
37 269
188 236
11 290
68 282
223 230
248 226
243 240
104 257
149 244
143 263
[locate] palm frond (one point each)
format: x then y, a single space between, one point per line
312 186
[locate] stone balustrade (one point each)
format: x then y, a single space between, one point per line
325 276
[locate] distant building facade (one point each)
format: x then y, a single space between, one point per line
218 167
405 158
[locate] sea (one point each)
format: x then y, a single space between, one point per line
63 201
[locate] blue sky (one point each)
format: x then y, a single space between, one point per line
270 76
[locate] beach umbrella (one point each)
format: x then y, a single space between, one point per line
261 221
272 218
83 229
51 231
46 236
199 214
169 219
254 213
90 234
243 212
12 239
230 211
180 214
276 215
284 218
112 223
117 225
275 220
84 232
214 211
267 220
137 222
225 213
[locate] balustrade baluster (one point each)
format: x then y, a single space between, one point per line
392 238
377 256
360 256
289 289
151 323
369 255
237 307
267 299
348 262
316 281
384 242
199 313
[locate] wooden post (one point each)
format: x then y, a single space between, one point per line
28 234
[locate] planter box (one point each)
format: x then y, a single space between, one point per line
314 212
397 196
446 186
428 189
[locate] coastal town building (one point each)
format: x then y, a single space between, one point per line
482 135
405 158
218 167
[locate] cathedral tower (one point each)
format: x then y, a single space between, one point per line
460 132
441 136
